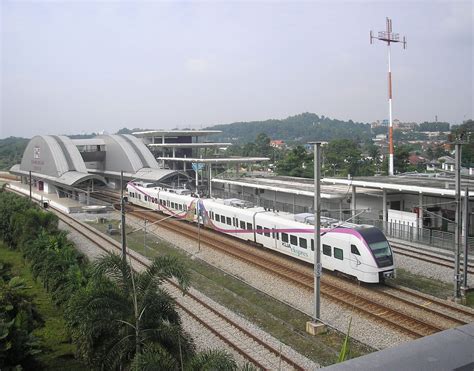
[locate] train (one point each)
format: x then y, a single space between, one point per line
359 251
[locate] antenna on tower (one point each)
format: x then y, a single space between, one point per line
389 37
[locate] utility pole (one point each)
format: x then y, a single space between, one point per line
144 237
458 225
316 326
122 214
389 37
465 285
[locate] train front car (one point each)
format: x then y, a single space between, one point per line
382 257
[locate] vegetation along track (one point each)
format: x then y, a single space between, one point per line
405 313
258 351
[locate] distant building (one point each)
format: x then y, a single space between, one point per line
415 159
278 144
447 163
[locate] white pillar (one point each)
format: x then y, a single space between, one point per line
384 206
353 201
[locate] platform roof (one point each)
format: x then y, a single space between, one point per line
174 133
410 184
290 185
69 178
446 350
188 145
216 160
147 174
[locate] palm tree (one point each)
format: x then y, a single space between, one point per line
121 313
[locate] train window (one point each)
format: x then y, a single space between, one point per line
259 229
355 250
303 243
146 198
180 206
168 203
338 253
266 232
284 237
312 245
217 218
234 223
172 205
242 224
249 226
229 221
223 219
139 197
327 250
293 240
277 235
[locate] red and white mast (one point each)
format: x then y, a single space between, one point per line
389 37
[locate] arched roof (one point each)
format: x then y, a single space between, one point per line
55 158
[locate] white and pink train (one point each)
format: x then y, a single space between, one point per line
355 250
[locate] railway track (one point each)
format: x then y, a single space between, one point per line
444 261
414 325
256 350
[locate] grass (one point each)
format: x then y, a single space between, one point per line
57 350
429 286
423 284
273 316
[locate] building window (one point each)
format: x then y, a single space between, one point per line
338 253
327 250
294 240
355 250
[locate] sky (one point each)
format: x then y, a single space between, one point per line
88 66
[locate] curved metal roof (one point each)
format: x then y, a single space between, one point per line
54 158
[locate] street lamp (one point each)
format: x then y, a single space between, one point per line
315 326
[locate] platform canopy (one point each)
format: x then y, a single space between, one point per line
404 183
188 145
217 160
174 133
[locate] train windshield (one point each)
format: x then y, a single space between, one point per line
379 246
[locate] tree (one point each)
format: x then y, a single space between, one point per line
120 314
18 318
343 155
298 162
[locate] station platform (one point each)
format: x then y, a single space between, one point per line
451 349
65 204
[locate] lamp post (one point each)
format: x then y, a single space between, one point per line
316 326
122 216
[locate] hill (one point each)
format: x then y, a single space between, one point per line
301 128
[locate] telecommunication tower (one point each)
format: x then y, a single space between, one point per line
389 37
